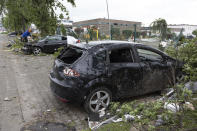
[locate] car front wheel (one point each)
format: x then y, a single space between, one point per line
37 50
97 100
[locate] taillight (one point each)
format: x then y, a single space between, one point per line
70 72
78 41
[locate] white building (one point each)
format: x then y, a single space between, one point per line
66 23
187 29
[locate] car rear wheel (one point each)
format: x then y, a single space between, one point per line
97 100
37 50
180 77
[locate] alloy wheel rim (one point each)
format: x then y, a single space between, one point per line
37 51
100 100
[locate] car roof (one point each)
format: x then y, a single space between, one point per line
106 43
94 46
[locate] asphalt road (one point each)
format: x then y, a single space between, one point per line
25 81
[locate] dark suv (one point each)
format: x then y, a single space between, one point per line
98 72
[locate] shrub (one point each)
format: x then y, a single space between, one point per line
57 53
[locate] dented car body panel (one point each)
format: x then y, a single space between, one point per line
126 69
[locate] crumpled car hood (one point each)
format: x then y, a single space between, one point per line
31 43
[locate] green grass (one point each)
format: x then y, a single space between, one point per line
57 53
18 45
121 126
4 33
190 119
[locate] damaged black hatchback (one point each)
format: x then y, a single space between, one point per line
96 73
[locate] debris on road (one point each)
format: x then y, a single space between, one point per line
189 105
102 112
48 110
171 106
7 99
93 125
117 120
129 117
159 121
168 94
191 86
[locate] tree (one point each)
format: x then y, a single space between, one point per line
127 33
14 18
40 12
61 16
160 26
115 33
194 33
92 33
78 31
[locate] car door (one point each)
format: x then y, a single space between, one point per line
64 40
124 73
153 66
49 44
59 42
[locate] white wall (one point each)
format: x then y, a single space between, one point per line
188 29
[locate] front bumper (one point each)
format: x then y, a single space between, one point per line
64 91
27 49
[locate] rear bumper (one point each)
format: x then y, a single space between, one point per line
64 91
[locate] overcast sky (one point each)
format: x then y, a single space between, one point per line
145 11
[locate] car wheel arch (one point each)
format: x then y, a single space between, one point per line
38 47
96 83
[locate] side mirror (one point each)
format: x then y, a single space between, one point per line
46 41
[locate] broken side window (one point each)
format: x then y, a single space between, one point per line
148 55
64 38
120 56
99 59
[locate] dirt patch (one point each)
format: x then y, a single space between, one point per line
48 126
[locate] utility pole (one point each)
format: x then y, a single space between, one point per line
134 32
108 19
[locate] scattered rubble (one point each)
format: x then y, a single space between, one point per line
159 121
192 86
171 106
189 105
168 94
7 99
95 125
102 112
129 117
48 110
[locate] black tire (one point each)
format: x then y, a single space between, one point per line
91 96
37 50
180 78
